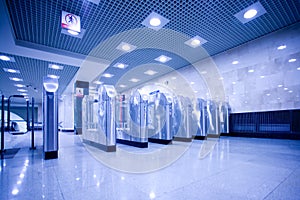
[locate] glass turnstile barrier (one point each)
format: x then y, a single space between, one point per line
98 123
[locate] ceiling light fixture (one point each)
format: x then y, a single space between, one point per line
262 76
280 85
126 47
150 72
53 76
122 86
107 75
173 78
134 80
251 70
120 65
292 60
250 14
281 47
233 83
15 79
235 62
4 58
285 88
20 85
54 66
21 90
290 91
155 21
11 70
163 59
98 82
195 41
298 68
268 94
73 32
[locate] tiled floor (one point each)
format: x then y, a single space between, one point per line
235 168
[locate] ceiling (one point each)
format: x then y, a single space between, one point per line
36 24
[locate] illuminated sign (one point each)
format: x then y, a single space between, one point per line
70 21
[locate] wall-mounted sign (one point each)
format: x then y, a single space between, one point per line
70 21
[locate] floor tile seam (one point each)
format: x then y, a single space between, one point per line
275 188
59 185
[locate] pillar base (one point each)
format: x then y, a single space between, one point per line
50 155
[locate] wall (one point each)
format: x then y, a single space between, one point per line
263 80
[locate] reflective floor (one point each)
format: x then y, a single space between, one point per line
228 168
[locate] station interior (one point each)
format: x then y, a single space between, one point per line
138 99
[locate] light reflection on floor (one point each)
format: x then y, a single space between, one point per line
236 168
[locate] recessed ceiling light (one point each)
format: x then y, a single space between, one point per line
268 94
22 90
134 80
73 32
173 77
155 21
196 91
4 58
251 70
150 72
192 83
281 47
15 79
280 85
235 62
262 76
298 68
120 65
290 91
11 70
233 83
195 41
278 98
250 13
126 47
19 85
163 59
98 82
107 75
292 60
285 88
122 86
54 66
53 76
221 78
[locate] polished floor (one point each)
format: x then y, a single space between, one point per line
227 168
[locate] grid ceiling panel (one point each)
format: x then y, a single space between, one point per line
39 21
32 72
142 57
